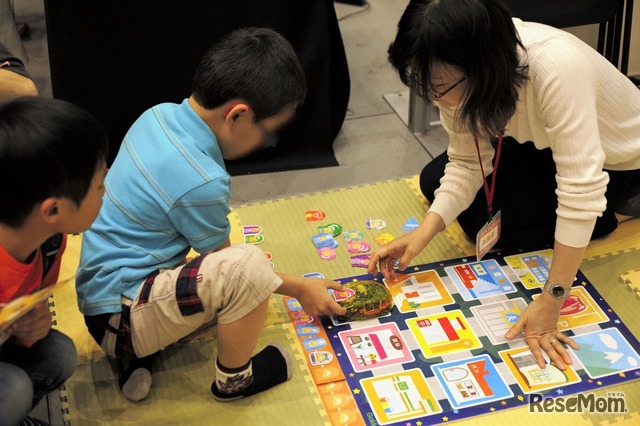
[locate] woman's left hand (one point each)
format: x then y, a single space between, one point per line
540 323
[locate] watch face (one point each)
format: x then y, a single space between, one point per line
557 291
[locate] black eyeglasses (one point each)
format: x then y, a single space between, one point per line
438 95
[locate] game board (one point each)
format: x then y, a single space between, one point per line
441 355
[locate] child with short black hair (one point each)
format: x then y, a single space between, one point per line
167 192
52 167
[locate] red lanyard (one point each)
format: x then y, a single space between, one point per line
488 192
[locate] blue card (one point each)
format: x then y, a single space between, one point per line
605 352
476 280
471 381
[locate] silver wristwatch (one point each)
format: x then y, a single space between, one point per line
556 290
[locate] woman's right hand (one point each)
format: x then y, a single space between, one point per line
405 248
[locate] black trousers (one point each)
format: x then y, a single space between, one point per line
525 193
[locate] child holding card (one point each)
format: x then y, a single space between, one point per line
544 139
167 192
52 167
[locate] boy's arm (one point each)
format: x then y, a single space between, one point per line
201 216
312 294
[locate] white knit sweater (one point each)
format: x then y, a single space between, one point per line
576 103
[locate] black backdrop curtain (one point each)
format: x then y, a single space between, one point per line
117 58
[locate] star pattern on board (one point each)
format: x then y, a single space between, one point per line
498 404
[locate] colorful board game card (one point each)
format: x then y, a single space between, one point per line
528 374
605 352
445 358
497 318
418 291
471 381
579 309
532 269
401 396
441 334
480 279
377 346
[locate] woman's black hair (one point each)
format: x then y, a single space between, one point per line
256 65
476 36
48 148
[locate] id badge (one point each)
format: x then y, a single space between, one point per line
488 236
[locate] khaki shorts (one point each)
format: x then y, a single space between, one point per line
223 287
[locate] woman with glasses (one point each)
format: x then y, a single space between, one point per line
553 126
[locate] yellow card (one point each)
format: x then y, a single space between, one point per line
532 269
530 377
579 309
399 397
443 333
21 305
418 291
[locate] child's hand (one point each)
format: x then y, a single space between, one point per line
316 300
34 325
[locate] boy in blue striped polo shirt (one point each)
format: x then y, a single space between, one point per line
167 192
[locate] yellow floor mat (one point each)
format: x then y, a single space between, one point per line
183 374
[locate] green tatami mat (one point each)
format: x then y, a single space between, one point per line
180 393
288 235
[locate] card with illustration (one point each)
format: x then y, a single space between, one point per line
479 279
400 397
497 318
471 381
377 346
340 404
441 355
605 352
530 377
443 333
532 269
418 291
579 309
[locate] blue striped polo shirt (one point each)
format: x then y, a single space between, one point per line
167 191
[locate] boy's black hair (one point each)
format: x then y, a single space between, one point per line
477 36
48 148
256 65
